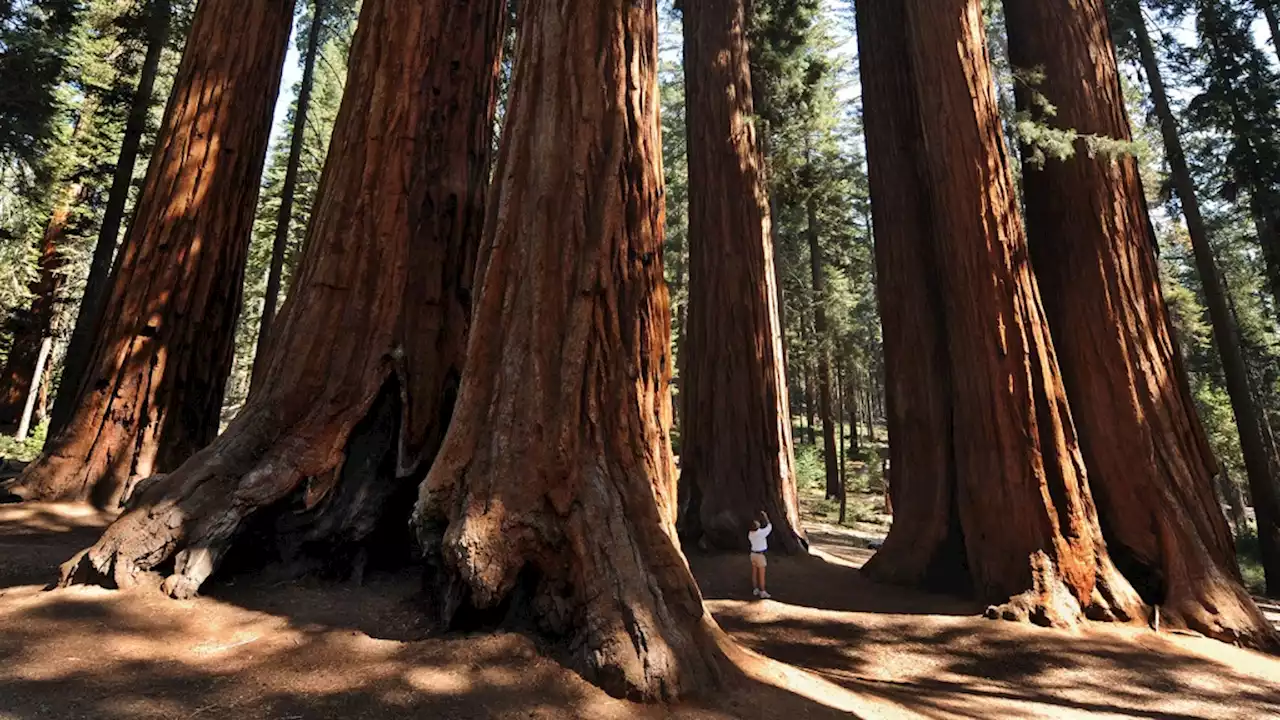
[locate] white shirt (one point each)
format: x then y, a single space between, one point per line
757 538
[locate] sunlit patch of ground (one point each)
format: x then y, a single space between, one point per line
839 647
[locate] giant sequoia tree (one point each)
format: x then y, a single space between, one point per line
32 328
736 457
1147 455
80 346
1259 457
555 488
163 351
1013 478
925 546
360 375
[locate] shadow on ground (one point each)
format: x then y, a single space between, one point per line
936 656
255 649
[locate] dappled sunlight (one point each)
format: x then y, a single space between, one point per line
29 518
260 647
885 643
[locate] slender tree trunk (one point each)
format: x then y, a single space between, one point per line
1234 500
31 327
1092 245
736 439
816 267
358 387
80 346
869 409
24 425
809 403
840 418
1259 464
284 217
851 402
1273 21
1031 535
1261 204
164 349
555 485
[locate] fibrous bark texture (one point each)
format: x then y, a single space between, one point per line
925 546
33 326
554 494
736 452
1031 535
1259 455
1147 455
362 370
164 347
80 346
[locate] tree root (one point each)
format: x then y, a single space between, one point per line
606 585
194 515
1049 602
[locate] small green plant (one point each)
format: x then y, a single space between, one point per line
1249 555
23 450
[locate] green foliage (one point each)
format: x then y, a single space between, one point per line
326 97
1249 554
1042 140
37 40
23 450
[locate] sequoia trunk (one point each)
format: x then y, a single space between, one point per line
554 495
1260 464
164 347
358 386
80 346
1020 493
924 546
1149 461
32 326
736 451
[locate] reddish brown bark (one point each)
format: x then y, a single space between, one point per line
1148 458
165 346
924 546
360 377
736 453
554 494
1031 534
80 345
1259 457
32 326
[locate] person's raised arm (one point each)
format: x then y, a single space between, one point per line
768 526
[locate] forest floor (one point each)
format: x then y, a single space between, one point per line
251 648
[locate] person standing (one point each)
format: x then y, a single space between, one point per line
758 537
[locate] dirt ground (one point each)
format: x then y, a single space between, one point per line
294 651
